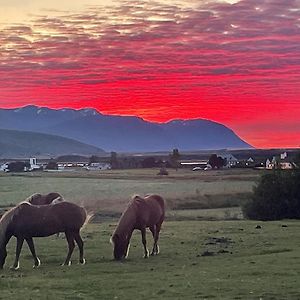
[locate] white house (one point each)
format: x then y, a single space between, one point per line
33 164
283 155
271 164
287 165
4 167
230 160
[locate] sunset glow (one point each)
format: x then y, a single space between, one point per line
237 63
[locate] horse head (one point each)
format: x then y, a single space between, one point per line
121 246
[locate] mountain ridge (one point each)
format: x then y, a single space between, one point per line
17 143
122 133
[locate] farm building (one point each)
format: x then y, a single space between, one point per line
231 161
199 164
33 164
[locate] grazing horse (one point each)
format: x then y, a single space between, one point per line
26 221
140 214
39 199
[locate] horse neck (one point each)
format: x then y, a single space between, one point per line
5 235
127 222
5 240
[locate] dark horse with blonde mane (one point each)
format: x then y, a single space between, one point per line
39 199
140 214
26 221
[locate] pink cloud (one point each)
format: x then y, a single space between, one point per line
144 57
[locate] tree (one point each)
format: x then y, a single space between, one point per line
296 159
114 160
52 165
216 161
93 159
148 162
276 196
18 166
174 158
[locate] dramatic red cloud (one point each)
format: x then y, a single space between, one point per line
237 64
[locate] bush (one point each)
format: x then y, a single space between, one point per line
277 196
52 165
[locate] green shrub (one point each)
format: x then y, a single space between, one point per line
275 197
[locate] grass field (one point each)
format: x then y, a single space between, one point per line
111 190
241 262
200 259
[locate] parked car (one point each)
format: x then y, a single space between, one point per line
198 169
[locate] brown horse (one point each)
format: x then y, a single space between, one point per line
140 214
26 221
39 199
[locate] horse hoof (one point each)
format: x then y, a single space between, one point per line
83 262
36 265
67 264
15 268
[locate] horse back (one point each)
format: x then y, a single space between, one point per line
46 220
150 210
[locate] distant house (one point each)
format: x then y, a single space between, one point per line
33 164
283 155
287 165
4 167
283 164
271 163
99 166
250 160
231 161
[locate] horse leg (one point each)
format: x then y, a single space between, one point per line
71 244
155 246
16 264
30 243
79 242
146 252
153 231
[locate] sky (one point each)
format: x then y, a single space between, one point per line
233 62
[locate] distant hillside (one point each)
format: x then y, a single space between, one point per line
121 133
24 144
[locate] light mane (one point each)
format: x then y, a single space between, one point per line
7 218
33 196
57 200
128 216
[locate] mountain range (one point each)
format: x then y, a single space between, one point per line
19 144
121 133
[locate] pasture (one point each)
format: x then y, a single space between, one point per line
111 190
239 262
227 258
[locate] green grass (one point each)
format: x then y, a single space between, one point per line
244 262
248 263
111 190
